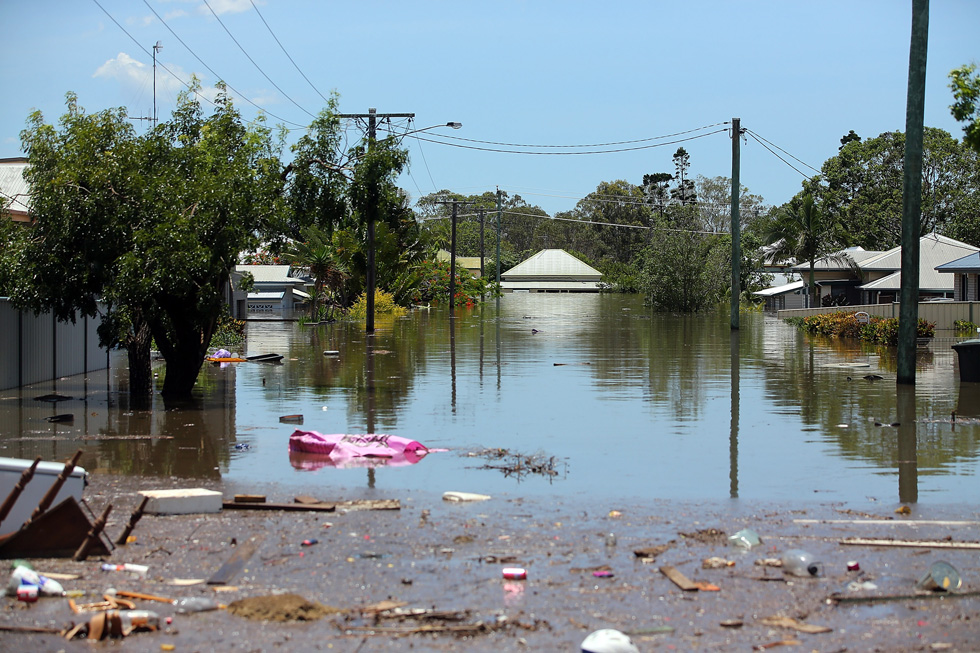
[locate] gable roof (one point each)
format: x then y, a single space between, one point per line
969 263
552 264
269 273
14 191
933 250
856 254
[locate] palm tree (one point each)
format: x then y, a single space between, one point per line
320 259
803 232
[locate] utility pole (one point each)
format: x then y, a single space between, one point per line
736 222
483 215
908 320
498 234
156 48
372 212
452 256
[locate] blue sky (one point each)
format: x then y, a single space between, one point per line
535 73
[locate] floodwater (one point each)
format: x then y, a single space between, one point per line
618 401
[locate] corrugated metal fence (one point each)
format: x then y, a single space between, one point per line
943 314
39 348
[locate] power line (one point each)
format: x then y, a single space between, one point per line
593 222
287 54
638 140
247 55
216 75
538 153
763 142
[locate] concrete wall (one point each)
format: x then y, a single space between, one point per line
942 313
39 348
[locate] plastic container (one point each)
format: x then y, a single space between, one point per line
797 562
25 576
745 539
515 573
139 620
941 577
132 568
195 604
27 593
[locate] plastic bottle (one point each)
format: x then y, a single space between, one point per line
139 620
745 539
195 604
136 569
25 576
797 562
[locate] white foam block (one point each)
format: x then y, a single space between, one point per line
182 502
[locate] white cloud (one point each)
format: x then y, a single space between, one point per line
135 76
177 13
226 6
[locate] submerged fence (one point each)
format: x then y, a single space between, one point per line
943 314
35 348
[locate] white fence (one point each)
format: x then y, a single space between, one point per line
943 314
39 348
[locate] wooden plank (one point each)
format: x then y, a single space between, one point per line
916 544
290 507
886 522
679 579
249 498
234 565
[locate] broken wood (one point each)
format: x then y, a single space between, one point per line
56 533
916 544
794 624
56 486
249 498
144 597
886 522
679 579
902 597
133 519
25 478
66 417
291 419
93 535
322 506
234 565
782 642
31 629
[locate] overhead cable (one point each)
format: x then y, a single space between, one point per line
538 153
638 140
287 54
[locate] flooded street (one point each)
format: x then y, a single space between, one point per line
624 403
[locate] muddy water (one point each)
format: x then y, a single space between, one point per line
618 401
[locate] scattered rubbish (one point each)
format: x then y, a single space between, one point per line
915 544
265 358
514 464
610 539
310 542
183 501
856 586
30 485
872 377
139 595
139 570
731 623
464 496
249 498
23 575
795 624
242 446
615 514
679 579
125 537
797 562
515 573
769 562
942 596
650 553
52 398
58 419
118 623
715 562
603 573
608 640
903 510
853 565
344 450
745 539
941 577
291 419
195 604
331 352
781 642
315 505
279 608
236 562
27 593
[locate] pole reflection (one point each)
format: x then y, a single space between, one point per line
733 436
908 472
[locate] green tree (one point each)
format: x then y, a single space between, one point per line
803 232
145 229
965 83
715 203
317 256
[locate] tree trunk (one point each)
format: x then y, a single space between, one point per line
140 375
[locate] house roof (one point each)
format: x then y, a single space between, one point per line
969 263
467 262
269 273
934 250
592 286
14 191
552 264
780 290
265 296
929 280
856 254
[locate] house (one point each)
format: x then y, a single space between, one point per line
857 276
781 297
275 290
551 270
14 191
469 263
966 277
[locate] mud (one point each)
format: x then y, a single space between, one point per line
428 577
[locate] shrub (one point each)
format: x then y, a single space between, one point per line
879 330
229 332
384 304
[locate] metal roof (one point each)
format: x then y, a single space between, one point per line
552 264
582 286
929 280
856 254
14 191
264 296
969 263
269 273
779 290
934 250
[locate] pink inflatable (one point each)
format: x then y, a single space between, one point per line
312 450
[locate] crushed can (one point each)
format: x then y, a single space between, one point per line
515 573
27 593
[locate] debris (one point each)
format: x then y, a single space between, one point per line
837 598
855 586
679 579
309 542
782 642
768 562
25 478
745 539
316 505
196 604
778 621
313 450
941 577
22 575
93 535
60 419
184 501
515 573
236 562
464 496
797 562
331 352
249 498
133 520
279 608
291 419
715 562
519 465
650 553
916 544
903 510
144 597
139 570
52 398
731 623
119 623
608 640
853 565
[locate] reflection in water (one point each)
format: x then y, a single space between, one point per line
636 402
908 475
